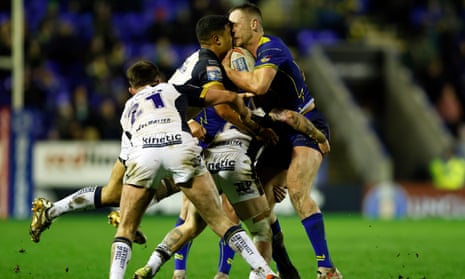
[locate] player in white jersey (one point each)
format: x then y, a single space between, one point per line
226 145
161 145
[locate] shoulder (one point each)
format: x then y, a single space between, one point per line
270 41
208 58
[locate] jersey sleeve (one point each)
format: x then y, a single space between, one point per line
209 72
271 54
195 94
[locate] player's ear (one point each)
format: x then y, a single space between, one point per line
216 39
131 90
254 24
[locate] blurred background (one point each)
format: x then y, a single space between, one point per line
389 75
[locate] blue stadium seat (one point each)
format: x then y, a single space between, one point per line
308 38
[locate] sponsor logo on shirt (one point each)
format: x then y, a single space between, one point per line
153 122
161 141
265 59
214 73
221 165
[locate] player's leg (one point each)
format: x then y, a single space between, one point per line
165 189
44 211
243 191
205 198
134 202
180 257
301 174
226 253
191 226
272 178
201 191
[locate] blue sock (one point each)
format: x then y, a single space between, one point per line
315 229
226 257
275 227
180 257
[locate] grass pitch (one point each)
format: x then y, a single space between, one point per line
78 246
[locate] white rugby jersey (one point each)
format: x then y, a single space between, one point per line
184 73
158 112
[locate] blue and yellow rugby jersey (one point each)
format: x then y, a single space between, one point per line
288 89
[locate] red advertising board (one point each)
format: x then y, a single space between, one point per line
4 161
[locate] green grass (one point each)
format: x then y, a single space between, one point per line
78 246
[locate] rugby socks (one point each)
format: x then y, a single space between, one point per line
158 258
315 229
226 257
241 243
85 198
120 256
280 255
180 257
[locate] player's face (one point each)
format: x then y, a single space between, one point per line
242 30
224 41
227 38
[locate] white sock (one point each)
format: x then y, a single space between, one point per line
158 258
254 275
120 256
80 200
241 243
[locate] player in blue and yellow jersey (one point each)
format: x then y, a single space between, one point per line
279 82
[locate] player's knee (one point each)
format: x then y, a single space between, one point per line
110 195
260 230
193 227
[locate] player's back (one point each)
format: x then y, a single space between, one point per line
288 89
183 74
153 110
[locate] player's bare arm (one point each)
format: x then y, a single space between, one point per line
299 123
257 81
227 113
216 96
196 129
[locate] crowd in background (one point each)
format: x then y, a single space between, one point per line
76 50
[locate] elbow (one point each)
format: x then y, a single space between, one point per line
259 89
221 113
288 117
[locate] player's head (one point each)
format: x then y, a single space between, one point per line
142 73
247 21
214 31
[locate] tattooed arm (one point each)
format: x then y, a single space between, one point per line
301 124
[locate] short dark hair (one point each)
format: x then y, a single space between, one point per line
141 73
248 8
208 25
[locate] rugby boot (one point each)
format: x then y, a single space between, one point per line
143 273
114 219
328 273
40 221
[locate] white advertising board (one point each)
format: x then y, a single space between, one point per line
73 164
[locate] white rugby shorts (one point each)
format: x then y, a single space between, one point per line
231 169
147 166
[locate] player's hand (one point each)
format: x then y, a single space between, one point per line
246 95
268 136
325 147
279 193
197 130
